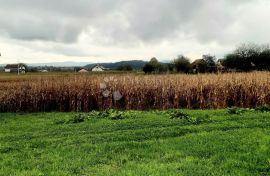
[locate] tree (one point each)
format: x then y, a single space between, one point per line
211 63
263 60
248 51
244 57
153 66
148 68
182 64
32 69
154 61
234 61
125 67
171 67
162 68
199 66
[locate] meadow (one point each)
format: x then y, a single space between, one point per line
189 142
69 92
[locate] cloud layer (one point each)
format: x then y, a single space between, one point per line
36 30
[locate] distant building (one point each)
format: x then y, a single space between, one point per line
98 68
220 66
83 71
21 68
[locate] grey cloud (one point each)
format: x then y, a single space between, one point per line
118 21
28 29
151 20
68 51
60 21
80 8
159 19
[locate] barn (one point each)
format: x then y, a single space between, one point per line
98 68
83 71
21 68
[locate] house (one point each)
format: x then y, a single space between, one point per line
43 71
83 71
220 66
98 68
21 68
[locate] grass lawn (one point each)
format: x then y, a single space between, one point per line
208 142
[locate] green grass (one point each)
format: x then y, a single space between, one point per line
209 142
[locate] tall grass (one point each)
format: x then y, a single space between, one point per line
84 92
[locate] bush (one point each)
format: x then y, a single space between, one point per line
113 114
79 118
178 114
60 121
264 108
236 110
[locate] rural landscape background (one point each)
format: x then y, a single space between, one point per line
115 87
200 118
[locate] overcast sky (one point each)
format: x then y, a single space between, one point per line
35 31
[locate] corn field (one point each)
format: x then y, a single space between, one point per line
36 93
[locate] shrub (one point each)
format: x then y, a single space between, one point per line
78 118
60 121
236 110
112 114
178 114
264 108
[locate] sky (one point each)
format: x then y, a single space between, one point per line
40 31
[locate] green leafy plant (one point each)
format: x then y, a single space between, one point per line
113 114
60 121
178 114
264 108
236 110
78 118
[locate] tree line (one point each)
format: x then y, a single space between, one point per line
246 57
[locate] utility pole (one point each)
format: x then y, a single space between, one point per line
0 54
18 67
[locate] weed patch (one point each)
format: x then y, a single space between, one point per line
264 108
113 114
108 114
237 111
178 114
78 118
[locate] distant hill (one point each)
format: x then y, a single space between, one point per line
60 64
135 64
